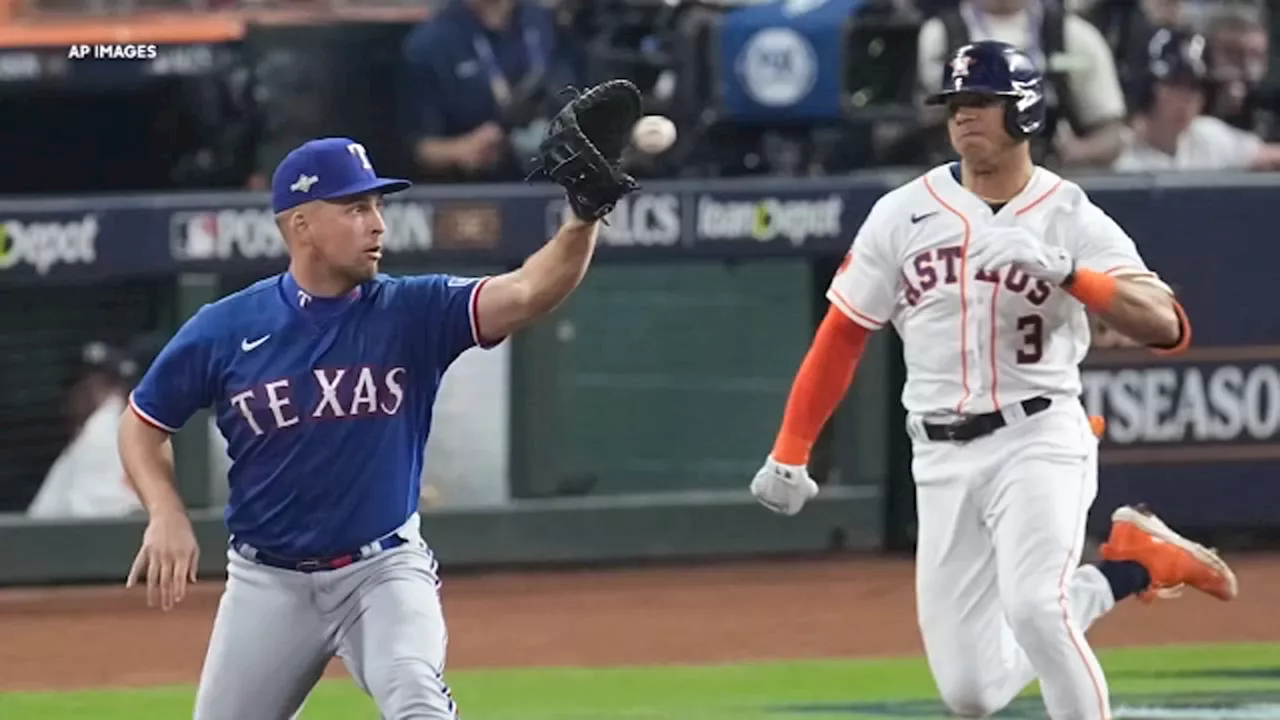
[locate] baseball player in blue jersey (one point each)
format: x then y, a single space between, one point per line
322 379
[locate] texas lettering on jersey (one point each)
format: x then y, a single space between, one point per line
341 393
973 340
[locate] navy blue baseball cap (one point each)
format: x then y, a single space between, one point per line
326 169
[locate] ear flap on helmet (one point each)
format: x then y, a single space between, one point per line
1024 114
1013 120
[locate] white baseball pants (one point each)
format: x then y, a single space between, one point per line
1001 599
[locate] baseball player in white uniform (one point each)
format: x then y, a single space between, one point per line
986 268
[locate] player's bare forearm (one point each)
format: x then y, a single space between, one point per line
147 456
509 302
556 269
1144 313
169 555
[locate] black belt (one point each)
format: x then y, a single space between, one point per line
976 426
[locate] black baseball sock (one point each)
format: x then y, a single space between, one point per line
1126 577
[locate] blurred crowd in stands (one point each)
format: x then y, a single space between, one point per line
1149 85
460 92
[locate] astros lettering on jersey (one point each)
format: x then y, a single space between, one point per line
977 341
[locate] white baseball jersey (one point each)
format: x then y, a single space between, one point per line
975 342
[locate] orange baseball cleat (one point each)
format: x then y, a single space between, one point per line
1172 561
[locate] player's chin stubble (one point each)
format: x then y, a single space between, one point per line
365 272
980 153
360 271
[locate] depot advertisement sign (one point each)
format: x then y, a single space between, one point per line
797 220
42 246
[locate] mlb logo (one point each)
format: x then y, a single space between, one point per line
193 236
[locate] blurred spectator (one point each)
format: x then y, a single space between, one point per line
1086 104
87 480
1168 131
1238 59
1164 13
1196 15
1127 25
480 80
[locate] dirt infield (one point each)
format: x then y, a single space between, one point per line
72 638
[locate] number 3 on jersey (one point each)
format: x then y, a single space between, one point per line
1031 328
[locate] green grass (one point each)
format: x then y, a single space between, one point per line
765 691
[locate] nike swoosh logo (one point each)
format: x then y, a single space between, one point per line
248 345
917 218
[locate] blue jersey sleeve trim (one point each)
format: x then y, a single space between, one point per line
149 418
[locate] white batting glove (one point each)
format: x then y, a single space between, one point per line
783 489
997 248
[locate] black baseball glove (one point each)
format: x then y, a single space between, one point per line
584 143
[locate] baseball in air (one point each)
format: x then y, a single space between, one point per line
653 134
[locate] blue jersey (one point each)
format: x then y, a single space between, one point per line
325 402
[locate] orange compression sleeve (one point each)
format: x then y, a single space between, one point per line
820 385
1096 290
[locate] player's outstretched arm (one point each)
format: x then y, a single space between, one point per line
511 301
580 152
169 554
